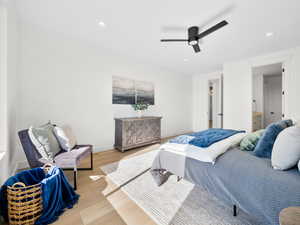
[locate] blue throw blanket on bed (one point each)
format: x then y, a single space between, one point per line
57 194
204 139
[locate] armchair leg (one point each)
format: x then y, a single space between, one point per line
75 179
234 210
92 164
75 169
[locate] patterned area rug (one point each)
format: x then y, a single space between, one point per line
173 203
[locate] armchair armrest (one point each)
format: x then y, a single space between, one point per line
80 146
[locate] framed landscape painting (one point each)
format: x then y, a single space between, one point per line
128 91
144 92
123 91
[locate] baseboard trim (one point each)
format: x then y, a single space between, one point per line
102 149
15 169
20 165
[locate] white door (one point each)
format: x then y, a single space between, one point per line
272 99
220 103
216 103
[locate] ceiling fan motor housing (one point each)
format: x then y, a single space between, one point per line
192 35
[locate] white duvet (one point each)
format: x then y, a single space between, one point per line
209 154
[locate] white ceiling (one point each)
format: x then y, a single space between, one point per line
134 27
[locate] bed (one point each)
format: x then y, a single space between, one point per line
236 178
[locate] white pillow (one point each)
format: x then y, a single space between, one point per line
44 140
286 149
65 137
40 148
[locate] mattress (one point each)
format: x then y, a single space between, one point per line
237 178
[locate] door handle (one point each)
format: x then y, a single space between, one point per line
272 113
220 114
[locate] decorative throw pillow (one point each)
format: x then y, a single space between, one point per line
285 123
286 150
65 137
44 140
265 144
250 140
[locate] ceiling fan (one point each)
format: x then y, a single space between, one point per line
194 36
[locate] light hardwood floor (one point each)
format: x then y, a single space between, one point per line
101 202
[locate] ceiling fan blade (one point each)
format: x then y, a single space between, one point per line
196 48
172 40
212 29
224 12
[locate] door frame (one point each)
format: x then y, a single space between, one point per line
283 93
221 103
283 73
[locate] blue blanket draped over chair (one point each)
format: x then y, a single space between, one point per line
204 139
57 193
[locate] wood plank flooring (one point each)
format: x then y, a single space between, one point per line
101 202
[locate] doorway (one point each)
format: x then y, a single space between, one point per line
272 99
215 103
268 95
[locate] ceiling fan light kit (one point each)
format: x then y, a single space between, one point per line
194 36
193 42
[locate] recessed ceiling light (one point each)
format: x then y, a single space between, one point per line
185 60
269 34
101 24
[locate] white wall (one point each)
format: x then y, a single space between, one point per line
238 90
237 100
8 92
238 87
70 81
200 99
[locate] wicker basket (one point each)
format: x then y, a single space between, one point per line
24 203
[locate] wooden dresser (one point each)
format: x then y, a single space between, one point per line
135 132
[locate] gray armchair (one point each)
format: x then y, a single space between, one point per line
65 160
